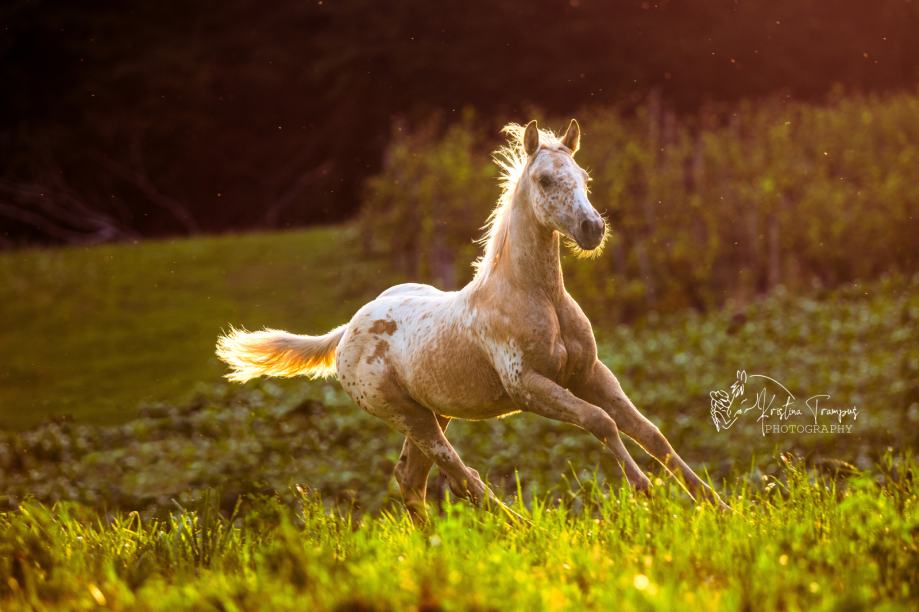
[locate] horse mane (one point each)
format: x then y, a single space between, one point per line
511 159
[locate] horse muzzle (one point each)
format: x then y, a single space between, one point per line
590 232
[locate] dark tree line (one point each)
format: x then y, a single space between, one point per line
123 119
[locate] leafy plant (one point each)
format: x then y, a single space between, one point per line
705 210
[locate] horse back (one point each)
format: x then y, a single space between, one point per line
424 341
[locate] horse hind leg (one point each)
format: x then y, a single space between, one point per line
422 429
411 473
367 377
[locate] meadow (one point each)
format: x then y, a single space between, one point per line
199 494
133 477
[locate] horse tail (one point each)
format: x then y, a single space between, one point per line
272 352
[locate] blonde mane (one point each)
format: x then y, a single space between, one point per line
511 159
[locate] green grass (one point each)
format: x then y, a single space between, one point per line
796 542
93 332
131 503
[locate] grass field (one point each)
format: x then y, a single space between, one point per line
171 489
792 543
93 332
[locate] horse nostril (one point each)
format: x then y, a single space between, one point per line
592 227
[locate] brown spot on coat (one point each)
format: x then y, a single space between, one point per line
379 351
383 326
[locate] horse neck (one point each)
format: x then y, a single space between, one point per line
531 253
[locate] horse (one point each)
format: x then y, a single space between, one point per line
512 340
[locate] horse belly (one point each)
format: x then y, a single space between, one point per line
456 380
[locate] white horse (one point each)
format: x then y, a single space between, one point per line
511 340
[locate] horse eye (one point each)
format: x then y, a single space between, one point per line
545 180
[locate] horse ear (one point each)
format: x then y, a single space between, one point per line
572 138
531 138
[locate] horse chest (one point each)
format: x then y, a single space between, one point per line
555 342
568 359
576 348
556 356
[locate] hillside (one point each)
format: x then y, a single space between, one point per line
93 332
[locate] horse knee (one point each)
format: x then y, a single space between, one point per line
654 435
654 441
600 425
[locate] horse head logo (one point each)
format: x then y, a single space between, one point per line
723 412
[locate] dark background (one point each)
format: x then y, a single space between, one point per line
129 119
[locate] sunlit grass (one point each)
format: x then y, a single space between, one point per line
800 541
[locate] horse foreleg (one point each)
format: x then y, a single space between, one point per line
603 389
539 395
412 475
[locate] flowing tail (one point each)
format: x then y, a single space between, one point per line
272 352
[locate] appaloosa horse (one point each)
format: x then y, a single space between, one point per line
511 340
